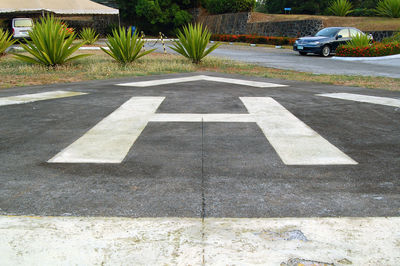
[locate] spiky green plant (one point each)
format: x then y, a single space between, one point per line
88 35
192 42
340 8
124 46
388 8
5 41
360 41
50 44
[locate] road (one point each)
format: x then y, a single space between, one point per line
288 59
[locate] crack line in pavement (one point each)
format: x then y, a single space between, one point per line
203 203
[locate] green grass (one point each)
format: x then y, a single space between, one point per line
14 73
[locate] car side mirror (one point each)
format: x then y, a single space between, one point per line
339 37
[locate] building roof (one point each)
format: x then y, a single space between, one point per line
56 6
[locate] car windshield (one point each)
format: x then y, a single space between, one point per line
23 23
328 32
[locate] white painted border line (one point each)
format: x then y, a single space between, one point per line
28 98
294 141
363 98
198 78
110 140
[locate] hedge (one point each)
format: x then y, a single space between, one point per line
253 39
377 49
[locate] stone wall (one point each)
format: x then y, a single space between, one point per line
226 23
295 28
380 35
237 23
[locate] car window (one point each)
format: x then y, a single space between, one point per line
345 33
354 32
328 32
22 23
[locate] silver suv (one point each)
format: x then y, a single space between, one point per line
21 27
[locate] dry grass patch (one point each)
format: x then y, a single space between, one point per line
14 73
362 23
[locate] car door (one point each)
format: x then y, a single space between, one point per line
344 35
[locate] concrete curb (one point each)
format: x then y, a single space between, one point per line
396 56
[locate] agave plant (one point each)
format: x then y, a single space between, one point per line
50 44
340 8
124 46
5 41
360 40
388 8
88 35
192 42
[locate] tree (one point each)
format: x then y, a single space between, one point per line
153 16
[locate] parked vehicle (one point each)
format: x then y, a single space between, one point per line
326 40
21 27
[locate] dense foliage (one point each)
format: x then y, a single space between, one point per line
5 41
125 46
192 42
152 16
388 8
253 39
51 44
361 7
377 49
228 6
88 35
340 8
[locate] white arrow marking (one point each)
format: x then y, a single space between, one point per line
364 98
110 140
28 98
294 141
201 77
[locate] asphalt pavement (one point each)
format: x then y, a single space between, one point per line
202 168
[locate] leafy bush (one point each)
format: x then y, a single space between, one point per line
360 40
5 41
193 41
340 8
88 35
124 46
394 38
377 49
253 39
363 12
51 44
229 6
388 8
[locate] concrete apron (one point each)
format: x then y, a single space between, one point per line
28 240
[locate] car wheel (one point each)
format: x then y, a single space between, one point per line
302 53
326 51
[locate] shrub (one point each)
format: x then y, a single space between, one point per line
388 8
5 41
340 8
88 35
124 46
193 41
394 38
377 49
253 39
51 44
360 40
229 6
